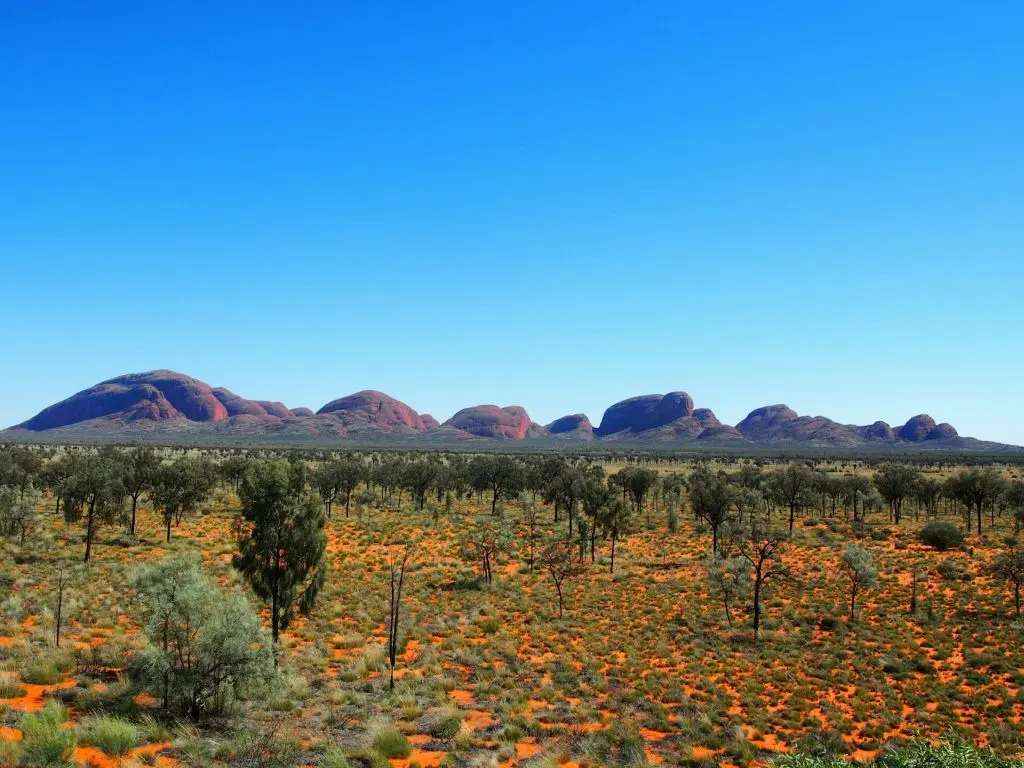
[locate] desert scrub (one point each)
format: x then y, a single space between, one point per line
385 738
45 740
10 754
42 673
111 735
334 757
941 536
10 690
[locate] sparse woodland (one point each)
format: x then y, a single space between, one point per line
263 608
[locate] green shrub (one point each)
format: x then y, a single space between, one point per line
334 758
389 741
447 728
45 740
10 754
10 690
111 735
941 536
42 673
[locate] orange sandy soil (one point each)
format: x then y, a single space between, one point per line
648 648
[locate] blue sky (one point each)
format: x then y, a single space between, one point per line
557 205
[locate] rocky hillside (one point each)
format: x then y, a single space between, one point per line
168 403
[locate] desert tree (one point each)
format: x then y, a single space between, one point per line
61 584
1009 566
530 524
712 497
179 488
418 477
563 487
54 475
501 475
860 570
398 565
328 485
977 488
856 488
928 494
351 472
281 542
17 512
139 470
896 482
595 498
232 469
728 577
205 647
559 560
636 483
761 547
1014 499
792 487
614 518
93 494
483 543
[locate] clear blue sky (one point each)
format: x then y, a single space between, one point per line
557 205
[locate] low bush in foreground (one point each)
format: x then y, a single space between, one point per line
952 753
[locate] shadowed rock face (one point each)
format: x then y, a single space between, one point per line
510 423
766 421
577 422
239 406
721 432
155 395
880 431
645 412
382 410
918 428
144 401
943 431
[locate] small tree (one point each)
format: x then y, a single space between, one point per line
140 466
502 475
397 565
1009 566
17 512
729 578
896 482
94 493
615 519
561 563
792 487
860 570
281 542
179 488
483 543
206 647
531 521
712 497
761 549
63 579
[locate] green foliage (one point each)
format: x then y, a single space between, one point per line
953 752
45 740
619 746
112 735
334 757
281 546
941 536
386 739
205 647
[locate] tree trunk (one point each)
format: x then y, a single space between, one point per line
614 536
135 503
88 531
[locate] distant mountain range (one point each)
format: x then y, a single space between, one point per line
164 405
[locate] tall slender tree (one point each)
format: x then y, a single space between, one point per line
281 542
